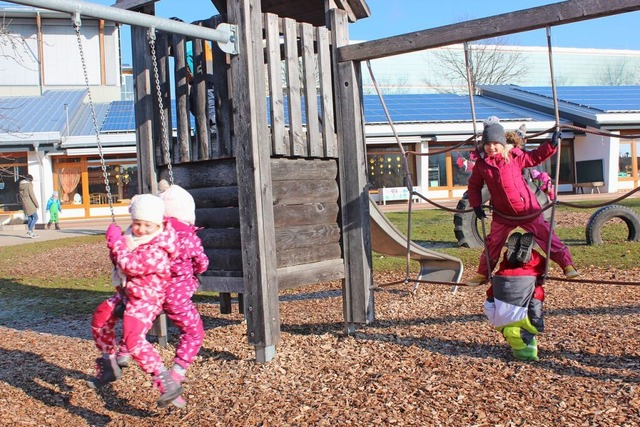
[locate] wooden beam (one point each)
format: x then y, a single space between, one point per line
144 107
358 301
493 26
254 180
360 8
132 4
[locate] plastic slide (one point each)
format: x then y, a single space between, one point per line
387 240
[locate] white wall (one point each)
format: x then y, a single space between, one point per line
61 60
592 147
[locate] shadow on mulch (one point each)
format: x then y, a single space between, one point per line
35 371
551 360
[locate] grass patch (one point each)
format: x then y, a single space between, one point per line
433 229
34 281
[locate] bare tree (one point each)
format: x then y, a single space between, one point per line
492 62
13 47
390 85
619 73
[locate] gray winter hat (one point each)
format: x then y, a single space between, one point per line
493 131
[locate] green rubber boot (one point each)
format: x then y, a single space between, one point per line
529 353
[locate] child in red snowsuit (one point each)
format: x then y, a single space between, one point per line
190 260
500 168
143 257
515 298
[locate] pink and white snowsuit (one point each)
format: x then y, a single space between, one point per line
511 196
148 272
190 260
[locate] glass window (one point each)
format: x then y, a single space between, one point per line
636 145
566 163
463 162
437 168
83 182
69 183
386 166
13 166
121 176
625 168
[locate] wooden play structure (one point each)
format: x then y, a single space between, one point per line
280 182
279 174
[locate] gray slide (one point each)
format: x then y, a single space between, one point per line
386 239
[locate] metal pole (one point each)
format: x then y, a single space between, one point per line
225 35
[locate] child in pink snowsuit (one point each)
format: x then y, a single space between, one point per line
500 168
190 260
143 257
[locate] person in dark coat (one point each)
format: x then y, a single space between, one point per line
29 202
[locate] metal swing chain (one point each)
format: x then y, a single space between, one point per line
163 121
76 25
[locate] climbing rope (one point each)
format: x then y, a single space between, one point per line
405 167
554 202
552 205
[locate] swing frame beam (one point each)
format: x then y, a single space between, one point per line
225 34
477 29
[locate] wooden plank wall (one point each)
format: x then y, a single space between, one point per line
304 168
204 140
298 66
305 197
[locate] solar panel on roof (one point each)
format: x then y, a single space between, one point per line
121 117
438 108
605 98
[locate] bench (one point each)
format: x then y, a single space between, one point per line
396 193
580 186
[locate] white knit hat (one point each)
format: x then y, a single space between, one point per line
147 207
178 203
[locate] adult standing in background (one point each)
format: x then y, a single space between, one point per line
29 203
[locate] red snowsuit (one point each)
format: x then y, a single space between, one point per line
147 271
511 196
190 260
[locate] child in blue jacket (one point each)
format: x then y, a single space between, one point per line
54 208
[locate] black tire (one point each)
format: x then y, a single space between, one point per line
465 225
602 215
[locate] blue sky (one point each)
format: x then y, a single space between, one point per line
389 18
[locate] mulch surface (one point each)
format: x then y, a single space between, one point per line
429 359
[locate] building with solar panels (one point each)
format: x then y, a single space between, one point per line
47 126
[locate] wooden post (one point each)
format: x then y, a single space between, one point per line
253 152
354 190
144 105
199 85
183 149
219 76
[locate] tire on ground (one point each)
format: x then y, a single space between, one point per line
602 215
465 225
